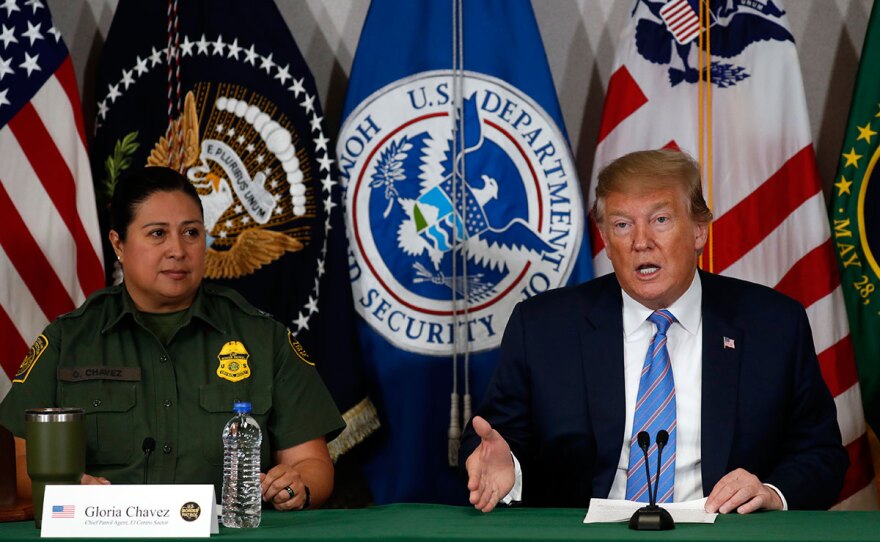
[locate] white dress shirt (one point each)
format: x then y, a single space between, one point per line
685 345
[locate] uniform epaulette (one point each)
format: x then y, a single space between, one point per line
95 297
236 298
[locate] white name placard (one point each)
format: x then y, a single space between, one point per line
129 511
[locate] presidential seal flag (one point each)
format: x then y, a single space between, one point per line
50 248
733 97
219 91
462 199
855 216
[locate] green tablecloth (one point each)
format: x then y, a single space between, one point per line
434 522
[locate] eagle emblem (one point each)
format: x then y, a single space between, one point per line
449 229
733 25
442 219
239 242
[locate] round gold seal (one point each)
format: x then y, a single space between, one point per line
190 511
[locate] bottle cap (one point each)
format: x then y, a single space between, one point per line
241 407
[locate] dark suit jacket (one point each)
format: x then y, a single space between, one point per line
557 395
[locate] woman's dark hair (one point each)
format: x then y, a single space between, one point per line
136 185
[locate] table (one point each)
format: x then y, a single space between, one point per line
436 522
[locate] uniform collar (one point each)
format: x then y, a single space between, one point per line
198 309
686 309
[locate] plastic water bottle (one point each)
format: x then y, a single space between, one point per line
241 469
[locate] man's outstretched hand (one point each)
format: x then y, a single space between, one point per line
490 468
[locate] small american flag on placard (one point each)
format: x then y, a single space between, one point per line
681 20
63 510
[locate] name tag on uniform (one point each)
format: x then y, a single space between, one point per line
78 374
129 511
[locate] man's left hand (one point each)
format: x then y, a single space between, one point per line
275 483
741 491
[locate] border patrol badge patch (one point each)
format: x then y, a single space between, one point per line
190 511
298 349
233 362
37 349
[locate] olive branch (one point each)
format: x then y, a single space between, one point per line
389 169
118 162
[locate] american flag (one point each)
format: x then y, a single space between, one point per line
681 20
771 224
50 253
63 510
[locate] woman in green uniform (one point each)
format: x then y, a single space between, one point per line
163 356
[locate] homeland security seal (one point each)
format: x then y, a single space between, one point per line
420 237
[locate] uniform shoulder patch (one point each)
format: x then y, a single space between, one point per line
37 349
298 349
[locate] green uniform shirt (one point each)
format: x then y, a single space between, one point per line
102 358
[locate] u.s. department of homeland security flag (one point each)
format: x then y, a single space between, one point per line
462 199
234 108
856 217
760 174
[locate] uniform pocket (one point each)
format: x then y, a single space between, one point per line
109 408
216 402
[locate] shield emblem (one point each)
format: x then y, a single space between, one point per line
233 358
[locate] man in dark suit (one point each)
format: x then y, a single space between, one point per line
732 370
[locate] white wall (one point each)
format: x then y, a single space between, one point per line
579 37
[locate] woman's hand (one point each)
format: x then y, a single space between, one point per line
306 469
284 488
89 480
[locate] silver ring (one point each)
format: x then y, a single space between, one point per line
290 492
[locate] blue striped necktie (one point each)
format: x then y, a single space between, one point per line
655 410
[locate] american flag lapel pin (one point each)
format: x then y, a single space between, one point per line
729 343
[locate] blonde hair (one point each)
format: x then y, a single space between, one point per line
643 171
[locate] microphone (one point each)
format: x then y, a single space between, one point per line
644 443
662 439
148 446
652 517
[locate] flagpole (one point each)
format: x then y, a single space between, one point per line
700 109
709 165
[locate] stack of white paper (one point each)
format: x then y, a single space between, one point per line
610 511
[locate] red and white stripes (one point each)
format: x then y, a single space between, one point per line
681 19
771 224
50 250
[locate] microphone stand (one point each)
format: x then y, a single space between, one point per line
148 446
652 517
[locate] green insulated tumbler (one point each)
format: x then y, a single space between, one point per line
56 450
